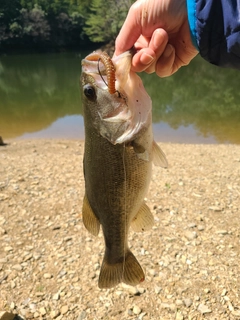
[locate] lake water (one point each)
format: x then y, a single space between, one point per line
40 98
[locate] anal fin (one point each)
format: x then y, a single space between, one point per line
143 220
90 221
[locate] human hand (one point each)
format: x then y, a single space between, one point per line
159 31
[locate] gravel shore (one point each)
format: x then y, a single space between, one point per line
49 263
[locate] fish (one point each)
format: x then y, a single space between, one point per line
119 151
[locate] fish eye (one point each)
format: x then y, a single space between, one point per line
89 92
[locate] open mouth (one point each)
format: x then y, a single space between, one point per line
100 63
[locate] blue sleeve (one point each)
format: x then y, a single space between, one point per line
215 30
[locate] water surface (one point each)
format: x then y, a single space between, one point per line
40 98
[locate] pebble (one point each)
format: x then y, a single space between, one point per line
2 231
141 290
129 312
215 208
136 310
179 302
17 267
179 316
64 309
12 305
82 315
141 315
42 311
132 290
190 235
157 289
202 308
224 292
192 225
188 302
54 314
223 232
32 307
56 296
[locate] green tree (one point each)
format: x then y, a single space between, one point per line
9 13
35 24
59 23
9 10
105 19
55 7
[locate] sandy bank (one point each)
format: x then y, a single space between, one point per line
49 264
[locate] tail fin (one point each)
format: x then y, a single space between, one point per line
133 272
128 271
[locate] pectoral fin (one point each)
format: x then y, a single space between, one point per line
159 158
143 220
90 221
140 151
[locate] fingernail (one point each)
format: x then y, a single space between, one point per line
146 58
168 51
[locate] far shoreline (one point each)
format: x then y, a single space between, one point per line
53 140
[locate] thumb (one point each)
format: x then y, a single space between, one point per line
130 31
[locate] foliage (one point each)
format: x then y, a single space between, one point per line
34 24
105 19
59 23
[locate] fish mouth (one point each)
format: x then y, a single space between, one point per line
100 63
90 63
130 104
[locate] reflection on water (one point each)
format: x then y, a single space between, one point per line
36 90
183 134
69 127
40 97
202 96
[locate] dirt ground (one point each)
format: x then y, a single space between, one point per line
49 263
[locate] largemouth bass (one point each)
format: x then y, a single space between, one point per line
119 150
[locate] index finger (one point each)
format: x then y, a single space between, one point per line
130 31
